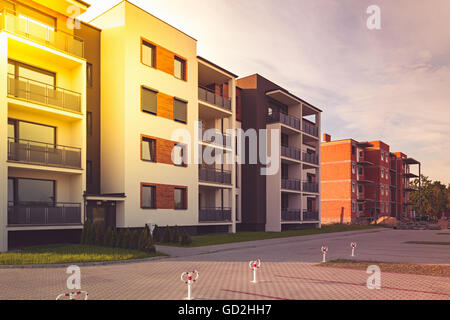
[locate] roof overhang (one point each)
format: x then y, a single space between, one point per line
364 144
411 161
410 175
64 6
283 97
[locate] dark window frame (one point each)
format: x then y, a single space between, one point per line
89 75
16 122
153 196
183 198
152 142
150 45
183 63
144 88
16 189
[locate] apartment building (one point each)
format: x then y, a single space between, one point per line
290 198
362 181
162 108
43 109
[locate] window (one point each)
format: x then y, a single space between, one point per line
178 155
11 193
89 124
180 110
32 132
149 100
360 189
353 150
148 197
180 68
382 190
89 82
353 168
360 171
387 190
148 54
31 190
148 152
179 198
353 206
353 187
382 155
38 76
382 172
361 154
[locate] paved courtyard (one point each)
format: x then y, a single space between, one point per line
288 271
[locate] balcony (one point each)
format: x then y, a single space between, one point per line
310 215
44 214
310 158
214 215
225 140
214 176
291 215
22 26
291 184
285 119
214 99
310 129
310 187
291 152
42 93
39 153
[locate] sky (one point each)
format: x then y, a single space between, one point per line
391 84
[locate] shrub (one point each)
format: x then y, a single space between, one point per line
91 234
99 233
119 238
126 239
166 235
185 238
134 239
143 239
156 234
113 242
175 235
85 233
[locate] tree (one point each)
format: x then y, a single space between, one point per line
175 236
166 235
156 234
433 198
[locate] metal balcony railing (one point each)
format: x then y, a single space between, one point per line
310 186
43 214
214 215
283 118
291 215
225 140
310 215
291 184
33 152
310 129
291 152
214 175
21 25
213 98
310 158
39 92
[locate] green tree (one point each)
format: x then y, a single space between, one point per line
433 198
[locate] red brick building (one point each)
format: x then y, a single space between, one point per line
362 181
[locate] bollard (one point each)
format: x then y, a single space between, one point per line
189 278
353 245
324 251
72 295
254 265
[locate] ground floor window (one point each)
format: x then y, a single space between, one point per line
25 190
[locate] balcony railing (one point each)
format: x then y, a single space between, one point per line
285 119
43 214
291 152
225 140
310 186
214 175
310 215
32 152
21 25
214 215
310 129
213 98
310 158
291 184
39 92
291 215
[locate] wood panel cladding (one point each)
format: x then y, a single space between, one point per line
165 106
165 195
163 149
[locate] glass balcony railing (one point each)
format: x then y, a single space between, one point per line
213 98
285 119
310 129
291 215
291 152
214 215
310 215
291 184
310 158
43 214
39 92
39 153
214 175
310 186
21 25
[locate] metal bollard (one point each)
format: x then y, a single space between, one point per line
324 250
353 245
254 265
189 278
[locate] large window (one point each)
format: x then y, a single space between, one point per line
149 100
148 149
178 155
180 197
180 110
148 54
180 68
33 74
25 190
148 197
31 131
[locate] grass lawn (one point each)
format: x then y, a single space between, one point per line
70 254
443 243
222 238
421 269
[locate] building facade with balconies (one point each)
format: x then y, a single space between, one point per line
290 198
43 109
362 181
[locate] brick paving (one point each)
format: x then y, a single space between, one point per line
225 278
